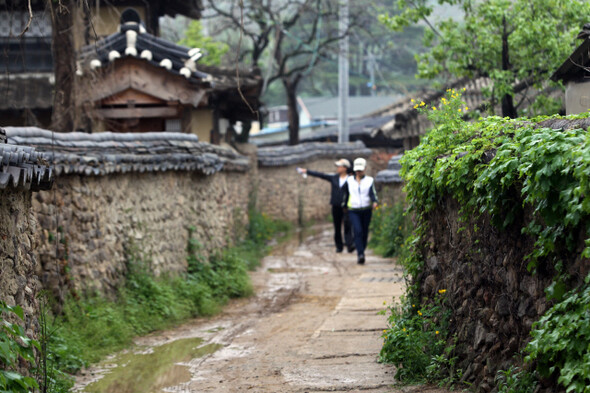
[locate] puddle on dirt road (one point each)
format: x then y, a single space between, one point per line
151 370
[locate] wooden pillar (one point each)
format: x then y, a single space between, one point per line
215 134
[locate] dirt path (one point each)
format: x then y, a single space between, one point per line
312 327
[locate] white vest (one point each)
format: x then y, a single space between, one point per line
359 192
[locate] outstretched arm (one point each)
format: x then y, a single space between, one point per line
321 175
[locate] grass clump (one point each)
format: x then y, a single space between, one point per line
416 342
389 230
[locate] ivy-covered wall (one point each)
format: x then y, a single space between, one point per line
502 233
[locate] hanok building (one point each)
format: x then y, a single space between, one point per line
574 73
128 78
133 81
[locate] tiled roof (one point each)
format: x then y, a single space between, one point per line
132 40
106 152
391 174
405 121
23 167
575 67
289 155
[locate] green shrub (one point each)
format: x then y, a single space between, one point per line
389 230
516 380
415 340
561 339
15 347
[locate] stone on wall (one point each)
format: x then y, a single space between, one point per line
284 194
493 298
93 224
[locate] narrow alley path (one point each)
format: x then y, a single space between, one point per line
311 327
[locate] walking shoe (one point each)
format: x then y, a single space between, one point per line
338 250
351 249
361 260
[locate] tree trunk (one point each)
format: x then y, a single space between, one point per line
508 109
64 65
292 111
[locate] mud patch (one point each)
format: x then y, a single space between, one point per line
151 369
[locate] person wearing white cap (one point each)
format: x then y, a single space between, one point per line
360 198
337 180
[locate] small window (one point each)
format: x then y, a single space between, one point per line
173 125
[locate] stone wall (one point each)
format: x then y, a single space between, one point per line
117 196
19 284
284 194
389 183
97 222
493 298
22 170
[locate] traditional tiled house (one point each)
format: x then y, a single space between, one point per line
128 79
574 73
133 81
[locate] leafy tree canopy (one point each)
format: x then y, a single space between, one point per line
517 43
194 38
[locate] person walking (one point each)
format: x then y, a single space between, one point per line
360 198
339 217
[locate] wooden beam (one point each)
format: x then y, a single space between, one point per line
133 113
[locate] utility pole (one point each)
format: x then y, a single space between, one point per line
343 132
372 64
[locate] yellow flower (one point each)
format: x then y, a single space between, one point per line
434 108
466 108
416 106
463 89
384 302
384 331
412 100
459 109
441 291
436 332
413 305
419 312
422 103
404 329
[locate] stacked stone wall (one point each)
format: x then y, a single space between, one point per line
19 284
93 224
493 297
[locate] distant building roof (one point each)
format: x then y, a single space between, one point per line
133 41
575 67
359 106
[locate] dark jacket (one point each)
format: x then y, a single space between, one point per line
334 179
